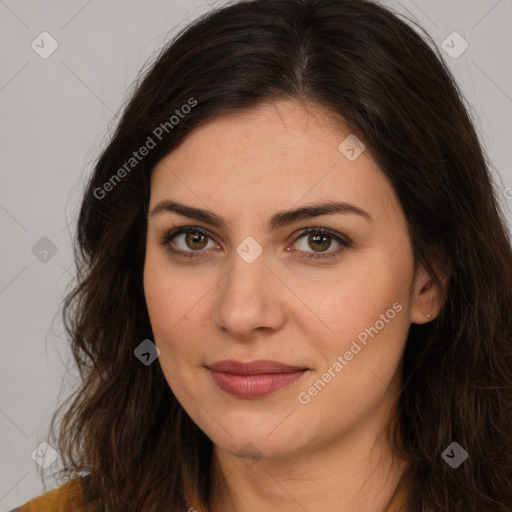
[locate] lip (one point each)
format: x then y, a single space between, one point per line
256 367
253 379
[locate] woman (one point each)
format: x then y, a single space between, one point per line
295 281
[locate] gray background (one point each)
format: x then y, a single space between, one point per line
55 116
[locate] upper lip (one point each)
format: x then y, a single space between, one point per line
252 367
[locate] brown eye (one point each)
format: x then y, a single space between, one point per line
195 240
192 244
319 240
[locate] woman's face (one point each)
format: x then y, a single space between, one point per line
247 290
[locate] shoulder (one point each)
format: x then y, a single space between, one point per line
68 497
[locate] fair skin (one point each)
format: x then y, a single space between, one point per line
328 454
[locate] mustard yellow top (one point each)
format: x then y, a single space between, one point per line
68 498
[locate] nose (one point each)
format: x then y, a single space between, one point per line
249 298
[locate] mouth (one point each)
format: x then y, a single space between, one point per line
253 379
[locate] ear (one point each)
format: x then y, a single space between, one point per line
427 298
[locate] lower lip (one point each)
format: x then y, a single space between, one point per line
254 386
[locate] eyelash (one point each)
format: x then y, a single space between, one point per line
345 243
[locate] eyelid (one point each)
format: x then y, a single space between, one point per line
169 235
343 240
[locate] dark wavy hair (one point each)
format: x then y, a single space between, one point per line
123 430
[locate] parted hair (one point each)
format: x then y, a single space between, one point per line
122 429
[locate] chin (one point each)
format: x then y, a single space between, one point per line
255 439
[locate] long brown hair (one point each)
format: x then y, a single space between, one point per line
123 427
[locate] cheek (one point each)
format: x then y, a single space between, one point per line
160 299
367 303
367 310
175 303
165 297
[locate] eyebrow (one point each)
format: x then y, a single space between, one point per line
277 221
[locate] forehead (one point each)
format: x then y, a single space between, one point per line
276 155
